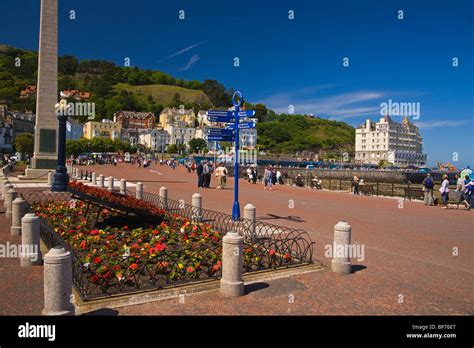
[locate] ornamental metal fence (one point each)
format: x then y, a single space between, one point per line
266 247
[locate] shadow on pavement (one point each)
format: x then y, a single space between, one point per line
103 311
254 287
277 217
357 268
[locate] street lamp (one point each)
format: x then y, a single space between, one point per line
61 178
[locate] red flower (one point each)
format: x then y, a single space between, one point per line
125 227
287 256
97 260
94 278
160 247
155 232
134 266
190 269
83 245
272 252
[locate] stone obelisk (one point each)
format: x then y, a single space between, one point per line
46 128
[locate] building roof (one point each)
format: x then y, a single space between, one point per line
75 93
177 112
134 114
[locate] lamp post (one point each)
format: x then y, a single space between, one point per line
61 178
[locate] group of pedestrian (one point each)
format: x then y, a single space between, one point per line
462 194
204 172
252 175
271 176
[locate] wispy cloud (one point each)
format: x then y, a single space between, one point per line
341 106
442 123
181 51
191 62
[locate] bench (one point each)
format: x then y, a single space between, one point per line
414 192
367 190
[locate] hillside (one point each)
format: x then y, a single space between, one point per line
130 88
164 94
293 133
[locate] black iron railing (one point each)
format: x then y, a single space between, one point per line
266 247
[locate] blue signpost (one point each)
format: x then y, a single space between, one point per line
231 133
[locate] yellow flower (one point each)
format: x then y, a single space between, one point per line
180 265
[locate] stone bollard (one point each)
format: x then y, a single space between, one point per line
197 207
342 239
50 178
11 195
232 284
58 282
163 197
30 240
123 186
94 178
4 181
18 210
139 190
74 173
87 175
5 190
110 183
101 181
250 213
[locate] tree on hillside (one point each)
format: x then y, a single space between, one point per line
196 145
176 100
261 112
24 144
67 65
216 93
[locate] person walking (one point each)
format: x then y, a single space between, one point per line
221 174
206 173
199 170
444 189
428 185
267 178
254 175
459 191
274 176
279 178
249 174
355 184
468 188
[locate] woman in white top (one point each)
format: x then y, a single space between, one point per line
444 189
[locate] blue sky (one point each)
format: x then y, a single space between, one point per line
291 62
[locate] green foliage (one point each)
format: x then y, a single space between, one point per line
173 148
24 144
293 133
83 145
197 145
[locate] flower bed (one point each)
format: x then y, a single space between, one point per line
112 260
117 260
116 200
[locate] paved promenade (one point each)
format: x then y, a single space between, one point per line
409 266
408 249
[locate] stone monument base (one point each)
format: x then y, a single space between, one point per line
36 174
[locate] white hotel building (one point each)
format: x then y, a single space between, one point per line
396 143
